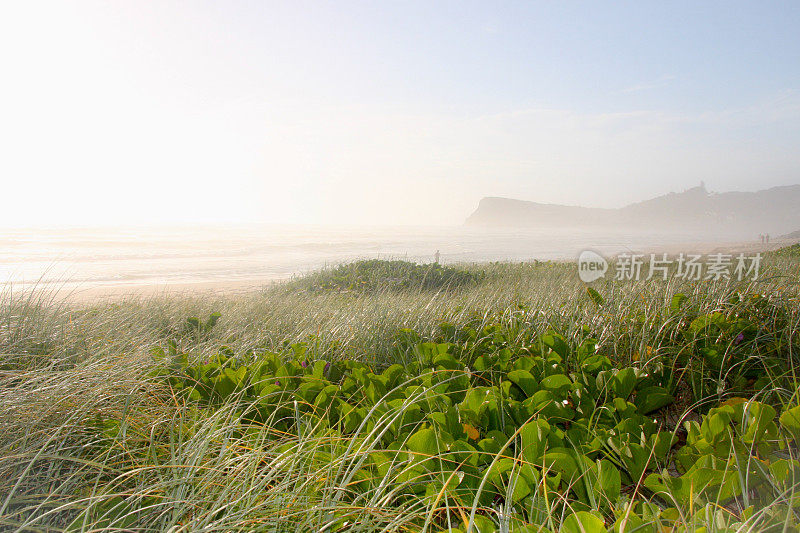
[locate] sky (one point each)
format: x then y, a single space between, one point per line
387 113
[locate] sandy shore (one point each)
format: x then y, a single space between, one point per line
98 293
745 247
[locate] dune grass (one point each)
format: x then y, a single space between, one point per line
377 275
105 423
788 251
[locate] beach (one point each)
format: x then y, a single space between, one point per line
82 264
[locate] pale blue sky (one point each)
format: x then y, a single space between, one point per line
387 112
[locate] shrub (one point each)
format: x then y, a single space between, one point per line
377 275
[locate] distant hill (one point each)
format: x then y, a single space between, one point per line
772 211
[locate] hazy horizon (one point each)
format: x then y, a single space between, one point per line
391 114
135 257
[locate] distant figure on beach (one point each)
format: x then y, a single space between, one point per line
767 238
761 236
436 257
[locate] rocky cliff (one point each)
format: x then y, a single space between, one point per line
768 211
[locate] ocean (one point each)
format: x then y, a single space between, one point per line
97 257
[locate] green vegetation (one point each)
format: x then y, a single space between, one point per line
519 402
376 275
787 251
